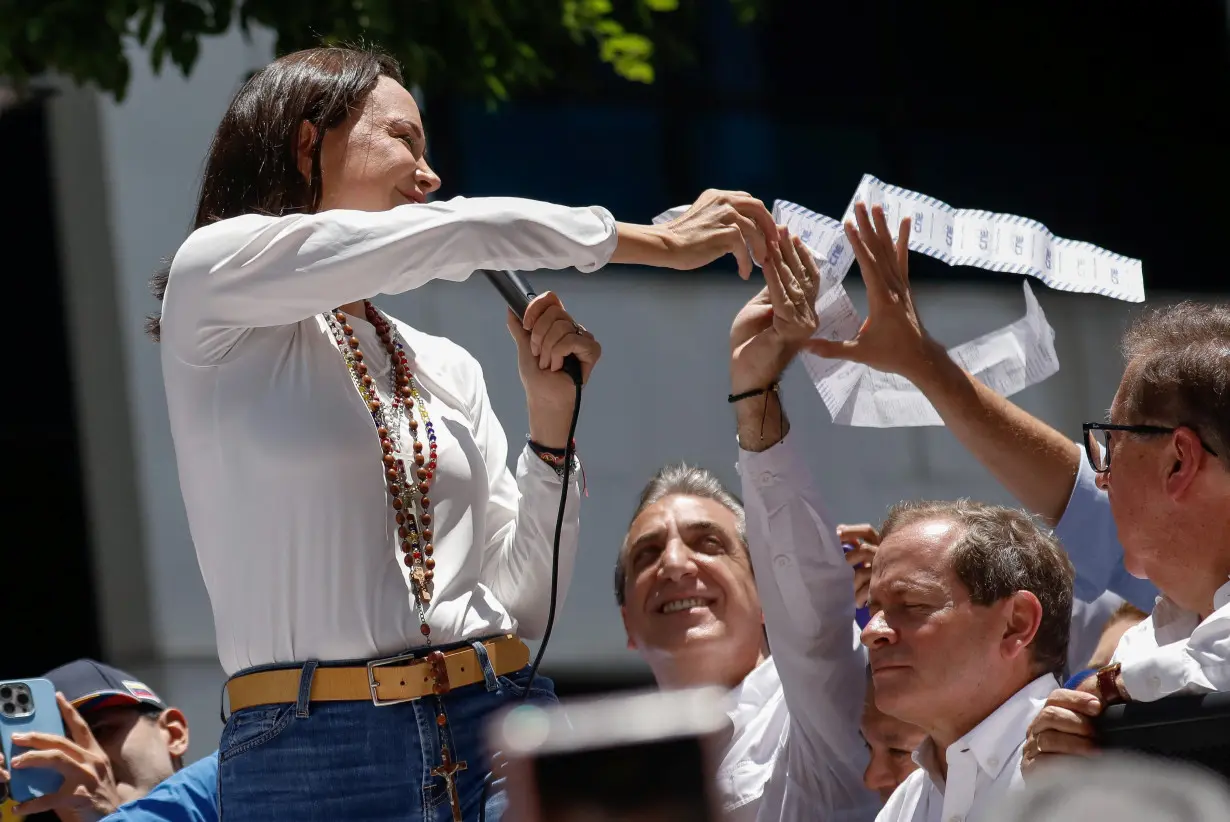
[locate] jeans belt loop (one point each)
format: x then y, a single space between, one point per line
305 689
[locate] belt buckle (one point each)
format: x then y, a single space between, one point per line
373 684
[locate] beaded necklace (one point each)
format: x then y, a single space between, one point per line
407 498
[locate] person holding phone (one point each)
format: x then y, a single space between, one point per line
120 741
370 560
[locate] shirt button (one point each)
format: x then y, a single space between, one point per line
1156 682
993 762
781 561
766 477
955 819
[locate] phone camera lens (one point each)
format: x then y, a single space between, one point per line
6 692
10 708
23 699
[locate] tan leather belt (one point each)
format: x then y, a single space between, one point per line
382 681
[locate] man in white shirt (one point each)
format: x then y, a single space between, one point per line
969 612
1169 445
1162 520
699 588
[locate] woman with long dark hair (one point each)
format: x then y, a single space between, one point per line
369 557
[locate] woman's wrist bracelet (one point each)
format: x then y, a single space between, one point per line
554 457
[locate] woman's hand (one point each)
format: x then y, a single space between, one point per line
717 224
547 335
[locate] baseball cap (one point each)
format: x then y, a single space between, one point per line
93 686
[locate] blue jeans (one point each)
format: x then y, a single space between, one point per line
332 761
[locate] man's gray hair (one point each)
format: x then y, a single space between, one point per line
1179 371
683 480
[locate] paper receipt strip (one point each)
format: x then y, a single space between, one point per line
1007 361
958 236
983 239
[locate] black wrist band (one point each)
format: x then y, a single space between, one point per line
542 449
755 392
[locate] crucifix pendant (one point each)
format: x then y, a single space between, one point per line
448 770
419 578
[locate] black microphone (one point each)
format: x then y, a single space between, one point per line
518 293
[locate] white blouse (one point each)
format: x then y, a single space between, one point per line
279 462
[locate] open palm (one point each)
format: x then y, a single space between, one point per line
892 338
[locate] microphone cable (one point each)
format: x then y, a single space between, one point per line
572 367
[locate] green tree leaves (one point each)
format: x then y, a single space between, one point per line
491 48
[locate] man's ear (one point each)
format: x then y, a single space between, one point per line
174 727
1022 619
623 614
303 149
1185 456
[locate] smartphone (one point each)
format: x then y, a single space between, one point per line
28 706
649 757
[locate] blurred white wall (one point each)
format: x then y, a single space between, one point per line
658 395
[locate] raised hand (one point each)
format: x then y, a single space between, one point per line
892 337
720 223
774 325
866 541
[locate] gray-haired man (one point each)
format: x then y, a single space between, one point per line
696 612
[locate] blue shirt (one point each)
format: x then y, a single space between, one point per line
190 795
1087 531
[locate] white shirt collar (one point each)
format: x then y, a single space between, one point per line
993 740
758 686
1173 622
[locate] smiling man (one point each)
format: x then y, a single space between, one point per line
705 590
970 605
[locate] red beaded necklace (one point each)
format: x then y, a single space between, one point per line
408 499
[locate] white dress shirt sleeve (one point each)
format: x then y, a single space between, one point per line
520 524
807 594
1197 665
257 271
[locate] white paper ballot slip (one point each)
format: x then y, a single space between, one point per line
958 236
1007 360
1003 242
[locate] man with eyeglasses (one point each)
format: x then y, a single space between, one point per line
1163 513
1169 489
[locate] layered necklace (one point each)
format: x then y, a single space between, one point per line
407 487
407 494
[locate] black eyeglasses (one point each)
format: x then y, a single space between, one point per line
1098 454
